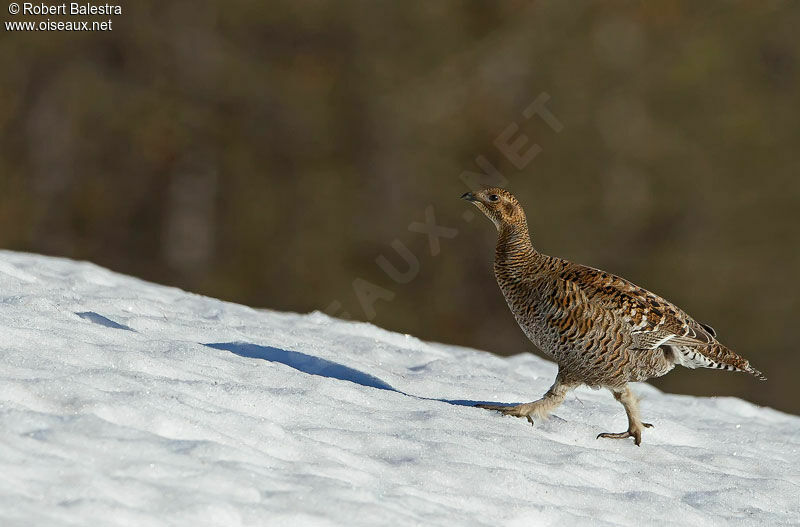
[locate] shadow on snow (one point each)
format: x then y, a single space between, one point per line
322 367
299 361
97 318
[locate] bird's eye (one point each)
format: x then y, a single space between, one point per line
493 197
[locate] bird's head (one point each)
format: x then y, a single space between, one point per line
499 205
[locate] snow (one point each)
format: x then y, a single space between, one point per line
128 403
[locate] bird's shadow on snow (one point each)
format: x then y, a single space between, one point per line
322 367
303 362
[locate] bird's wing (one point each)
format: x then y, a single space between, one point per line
652 320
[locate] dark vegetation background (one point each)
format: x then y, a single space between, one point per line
269 152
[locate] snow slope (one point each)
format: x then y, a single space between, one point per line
128 403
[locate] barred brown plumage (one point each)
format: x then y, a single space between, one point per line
601 330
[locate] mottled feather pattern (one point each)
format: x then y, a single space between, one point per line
602 330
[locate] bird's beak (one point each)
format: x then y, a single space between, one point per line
468 196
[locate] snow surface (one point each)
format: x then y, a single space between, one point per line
128 403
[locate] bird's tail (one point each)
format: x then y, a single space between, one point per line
716 355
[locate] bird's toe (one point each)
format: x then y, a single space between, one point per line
514 411
635 434
494 407
614 435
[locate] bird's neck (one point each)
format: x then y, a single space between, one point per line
514 246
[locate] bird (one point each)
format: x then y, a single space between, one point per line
602 330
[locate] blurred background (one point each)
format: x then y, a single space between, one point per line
271 153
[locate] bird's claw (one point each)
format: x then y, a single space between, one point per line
635 433
637 437
513 411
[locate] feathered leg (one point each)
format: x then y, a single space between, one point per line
631 404
541 408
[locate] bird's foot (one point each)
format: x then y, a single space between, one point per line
634 431
521 410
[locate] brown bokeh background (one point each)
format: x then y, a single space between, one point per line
268 154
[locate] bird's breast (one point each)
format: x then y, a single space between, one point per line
524 299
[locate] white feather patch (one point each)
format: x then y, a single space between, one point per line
662 341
